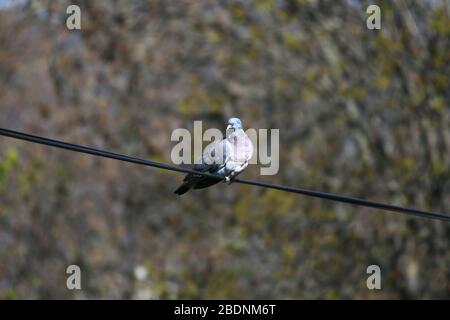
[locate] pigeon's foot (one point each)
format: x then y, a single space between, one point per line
229 179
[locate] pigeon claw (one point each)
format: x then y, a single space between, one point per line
229 179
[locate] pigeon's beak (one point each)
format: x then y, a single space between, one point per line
229 127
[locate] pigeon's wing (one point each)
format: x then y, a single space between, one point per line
206 182
214 158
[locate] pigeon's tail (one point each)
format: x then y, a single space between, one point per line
185 187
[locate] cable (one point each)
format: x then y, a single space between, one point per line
308 192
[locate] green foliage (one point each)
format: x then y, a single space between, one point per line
7 166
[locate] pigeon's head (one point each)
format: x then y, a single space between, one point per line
234 123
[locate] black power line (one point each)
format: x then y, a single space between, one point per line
312 193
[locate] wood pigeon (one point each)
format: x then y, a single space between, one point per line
226 158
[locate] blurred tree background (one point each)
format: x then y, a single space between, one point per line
361 112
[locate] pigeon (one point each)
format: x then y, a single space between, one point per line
226 158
